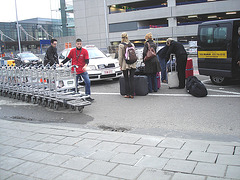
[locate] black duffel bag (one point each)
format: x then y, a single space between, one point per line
195 87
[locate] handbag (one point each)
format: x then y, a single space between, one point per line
150 53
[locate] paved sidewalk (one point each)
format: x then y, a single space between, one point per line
41 151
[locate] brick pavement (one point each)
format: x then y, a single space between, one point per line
41 151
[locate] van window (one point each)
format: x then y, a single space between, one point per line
206 35
213 36
220 34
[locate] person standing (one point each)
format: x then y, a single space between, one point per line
181 59
161 56
152 66
51 56
127 69
80 57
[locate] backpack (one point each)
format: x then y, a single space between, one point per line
130 54
195 87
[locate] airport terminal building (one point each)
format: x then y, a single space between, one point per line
101 22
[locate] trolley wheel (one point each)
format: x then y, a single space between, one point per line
51 105
44 103
56 106
18 96
39 101
28 99
23 98
80 109
73 108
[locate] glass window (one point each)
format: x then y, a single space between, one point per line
220 34
95 53
206 35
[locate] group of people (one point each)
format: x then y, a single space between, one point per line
154 65
80 57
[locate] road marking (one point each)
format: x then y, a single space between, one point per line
221 91
174 95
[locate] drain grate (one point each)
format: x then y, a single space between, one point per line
21 118
114 129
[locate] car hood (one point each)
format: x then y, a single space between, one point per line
102 61
30 59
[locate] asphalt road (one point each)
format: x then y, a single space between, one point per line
168 112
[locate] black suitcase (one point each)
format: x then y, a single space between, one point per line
140 85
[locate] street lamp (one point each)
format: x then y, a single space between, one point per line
18 33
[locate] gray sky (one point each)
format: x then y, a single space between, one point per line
27 9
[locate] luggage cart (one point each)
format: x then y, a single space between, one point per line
53 86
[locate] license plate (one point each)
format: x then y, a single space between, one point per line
107 72
70 82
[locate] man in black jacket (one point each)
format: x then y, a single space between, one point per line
51 56
181 59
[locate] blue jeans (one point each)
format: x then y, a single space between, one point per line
152 82
163 68
87 82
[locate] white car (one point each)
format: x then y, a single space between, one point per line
100 66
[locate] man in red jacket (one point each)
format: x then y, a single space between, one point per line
80 57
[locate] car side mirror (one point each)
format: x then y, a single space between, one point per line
108 55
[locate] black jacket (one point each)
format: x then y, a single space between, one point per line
152 65
175 48
51 56
162 52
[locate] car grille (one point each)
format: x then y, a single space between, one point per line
103 66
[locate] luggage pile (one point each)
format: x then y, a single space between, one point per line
47 86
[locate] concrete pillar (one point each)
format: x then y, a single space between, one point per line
172 21
64 17
171 3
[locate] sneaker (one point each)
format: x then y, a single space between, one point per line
89 99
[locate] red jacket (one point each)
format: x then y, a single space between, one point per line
79 59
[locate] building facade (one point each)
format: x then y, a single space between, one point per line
101 22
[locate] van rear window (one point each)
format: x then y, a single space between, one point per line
213 36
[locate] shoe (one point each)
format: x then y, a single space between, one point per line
164 81
131 97
126 96
90 99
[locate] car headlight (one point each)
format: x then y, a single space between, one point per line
91 67
26 61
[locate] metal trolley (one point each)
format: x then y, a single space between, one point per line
52 87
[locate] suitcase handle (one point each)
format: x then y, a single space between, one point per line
171 63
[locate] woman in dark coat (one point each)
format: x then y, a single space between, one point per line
152 66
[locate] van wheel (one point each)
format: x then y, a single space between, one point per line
218 80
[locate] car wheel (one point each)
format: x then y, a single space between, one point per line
217 80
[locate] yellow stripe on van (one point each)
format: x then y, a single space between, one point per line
212 54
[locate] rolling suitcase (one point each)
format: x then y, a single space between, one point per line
140 85
189 68
122 86
173 80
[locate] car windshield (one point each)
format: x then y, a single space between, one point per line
95 53
28 55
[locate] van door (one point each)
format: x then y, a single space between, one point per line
214 50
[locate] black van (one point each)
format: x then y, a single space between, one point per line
217 50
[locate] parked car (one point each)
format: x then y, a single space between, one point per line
100 66
26 59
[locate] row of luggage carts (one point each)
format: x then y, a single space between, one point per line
49 86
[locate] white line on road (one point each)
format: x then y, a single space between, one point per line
221 91
175 95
